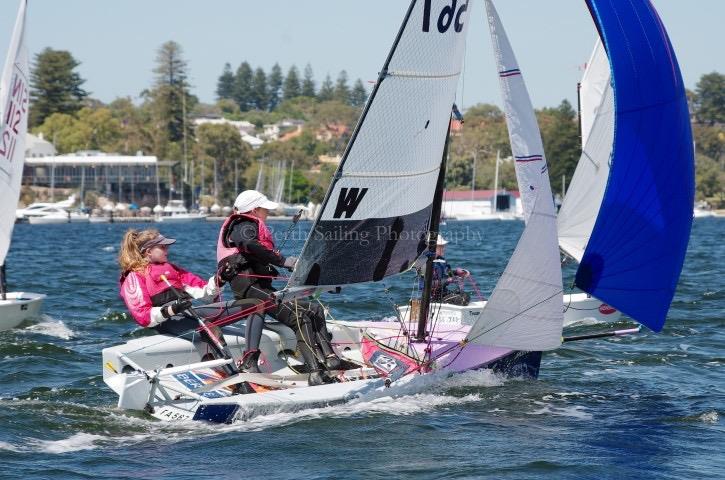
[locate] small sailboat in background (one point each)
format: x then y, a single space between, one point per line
14 99
381 213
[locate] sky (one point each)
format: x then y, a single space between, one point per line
116 40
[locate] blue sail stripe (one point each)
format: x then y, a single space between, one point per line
640 237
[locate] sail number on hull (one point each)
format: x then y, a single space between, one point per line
447 16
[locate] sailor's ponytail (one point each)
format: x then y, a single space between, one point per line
130 257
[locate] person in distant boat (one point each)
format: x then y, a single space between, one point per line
145 270
447 281
248 260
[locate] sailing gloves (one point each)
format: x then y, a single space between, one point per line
461 272
175 307
231 267
289 263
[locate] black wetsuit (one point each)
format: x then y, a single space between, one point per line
257 269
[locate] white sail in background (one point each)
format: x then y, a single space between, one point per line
376 213
14 99
259 186
526 145
526 311
595 81
581 205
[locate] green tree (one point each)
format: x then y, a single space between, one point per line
342 90
225 84
243 87
709 178
260 92
135 127
560 134
60 129
228 155
274 83
55 86
170 100
291 86
229 108
308 83
710 99
358 95
327 90
709 140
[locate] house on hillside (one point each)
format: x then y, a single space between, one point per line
331 131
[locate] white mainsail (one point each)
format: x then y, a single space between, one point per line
376 213
524 135
525 311
581 205
14 98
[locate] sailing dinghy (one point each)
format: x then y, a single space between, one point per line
531 171
14 98
390 180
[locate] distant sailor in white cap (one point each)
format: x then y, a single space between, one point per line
246 258
447 281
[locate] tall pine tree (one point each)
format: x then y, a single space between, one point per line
274 86
308 83
170 95
327 90
225 84
342 90
260 94
243 87
358 95
55 87
291 86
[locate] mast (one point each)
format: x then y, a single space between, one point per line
435 217
495 183
579 112
3 282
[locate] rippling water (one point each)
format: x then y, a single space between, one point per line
649 405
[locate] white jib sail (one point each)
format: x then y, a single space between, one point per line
526 145
525 311
14 99
594 82
376 212
580 208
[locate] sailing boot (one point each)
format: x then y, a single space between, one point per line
316 376
249 361
332 361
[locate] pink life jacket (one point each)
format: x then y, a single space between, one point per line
143 290
223 248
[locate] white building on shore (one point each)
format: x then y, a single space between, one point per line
478 205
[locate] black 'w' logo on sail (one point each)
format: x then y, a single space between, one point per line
348 201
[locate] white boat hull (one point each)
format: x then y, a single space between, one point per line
183 218
19 306
579 308
162 374
56 219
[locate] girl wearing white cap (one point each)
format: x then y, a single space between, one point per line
247 258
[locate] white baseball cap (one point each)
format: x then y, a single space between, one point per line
440 240
248 200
